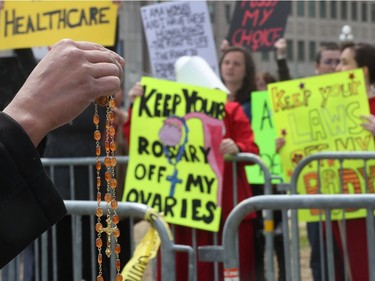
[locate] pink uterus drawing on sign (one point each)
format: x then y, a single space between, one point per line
175 132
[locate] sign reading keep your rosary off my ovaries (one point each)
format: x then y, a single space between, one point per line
26 24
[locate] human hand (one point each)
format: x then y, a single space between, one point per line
70 77
136 91
228 146
369 123
280 142
224 46
280 46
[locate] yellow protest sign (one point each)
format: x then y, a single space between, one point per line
42 23
174 162
322 113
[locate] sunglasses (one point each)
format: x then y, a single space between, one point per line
331 61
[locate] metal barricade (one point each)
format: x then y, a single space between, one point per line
213 253
341 157
294 202
78 208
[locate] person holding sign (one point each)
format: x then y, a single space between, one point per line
238 137
357 55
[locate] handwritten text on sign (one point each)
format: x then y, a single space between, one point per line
41 23
175 165
177 29
258 24
265 134
322 113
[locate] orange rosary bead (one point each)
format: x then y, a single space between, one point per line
112 103
97 150
98 165
99 278
113 162
99 197
111 116
112 131
113 146
118 264
117 248
119 277
107 161
97 135
116 232
100 259
107 176
115 219
98 182
99 212
102 101
108 197
98 227
113 183
114 204
99 242
95 119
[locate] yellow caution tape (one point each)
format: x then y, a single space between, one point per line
268 225
145 251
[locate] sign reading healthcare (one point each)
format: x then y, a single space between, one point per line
42 23
176 29
265 134
175 166
322 113
258 24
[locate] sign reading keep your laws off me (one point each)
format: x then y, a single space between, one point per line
41 23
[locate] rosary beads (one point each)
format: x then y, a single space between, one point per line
112 219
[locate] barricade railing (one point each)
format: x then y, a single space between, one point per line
52 164
212 253
293 202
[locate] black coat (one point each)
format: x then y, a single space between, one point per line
29 202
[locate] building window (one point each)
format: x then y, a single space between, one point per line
291 8
312 50
364 11
301 51
344 10
322 9
373 12
334 9
289 49
300 8
266 56
354 10
228 15
312 9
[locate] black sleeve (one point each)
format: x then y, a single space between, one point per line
283 70
29 202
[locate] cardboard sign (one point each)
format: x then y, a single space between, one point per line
26 24
265 134
175 166
258 24
322 113
176 29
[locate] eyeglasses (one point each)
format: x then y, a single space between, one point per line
331 61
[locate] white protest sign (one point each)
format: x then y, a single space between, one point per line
176 29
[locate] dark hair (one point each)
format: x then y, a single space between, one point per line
326 46
364 55
249 81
